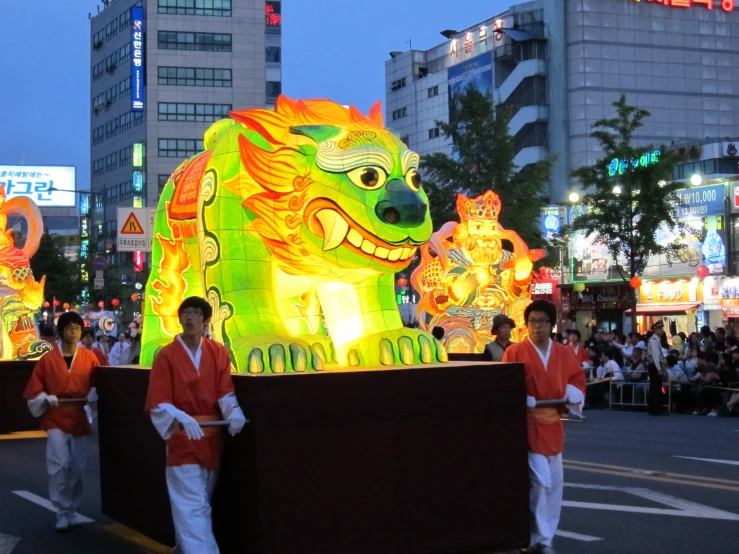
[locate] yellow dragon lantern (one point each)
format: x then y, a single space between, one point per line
20 294
466 276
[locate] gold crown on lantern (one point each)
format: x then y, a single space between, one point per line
486 206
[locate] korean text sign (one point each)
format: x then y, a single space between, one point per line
47 186
137 59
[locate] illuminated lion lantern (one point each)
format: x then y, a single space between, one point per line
20 294
292 224
467 277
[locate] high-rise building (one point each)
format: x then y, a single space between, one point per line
162 72
560 64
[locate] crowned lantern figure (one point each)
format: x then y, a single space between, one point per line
467 276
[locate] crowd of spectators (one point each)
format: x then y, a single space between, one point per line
700 370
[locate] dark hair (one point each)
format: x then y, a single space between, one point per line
438 332
671 361
575 332
197 303
682 335
706 331
87 332
731 340
713 357
541 306
723 331
634 334
557 337
610 353
66 319
47 331
675 352
702 355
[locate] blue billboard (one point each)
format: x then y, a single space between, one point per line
137 59
476 72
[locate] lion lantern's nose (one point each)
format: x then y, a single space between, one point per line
400 206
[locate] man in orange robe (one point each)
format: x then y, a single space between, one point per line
577 347
191 383
88 339
65 372
552 373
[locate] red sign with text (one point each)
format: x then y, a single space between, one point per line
726 5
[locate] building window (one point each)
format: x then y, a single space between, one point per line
273 54
434 91
209 42
274 89
434 133
192 112
194 76
218 8
272 16
179 148
400 83
401 112
406 140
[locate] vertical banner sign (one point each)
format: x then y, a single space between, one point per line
137 59
138 154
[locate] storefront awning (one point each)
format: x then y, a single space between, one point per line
674 308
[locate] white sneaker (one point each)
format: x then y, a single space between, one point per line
712 413
62 522
75 520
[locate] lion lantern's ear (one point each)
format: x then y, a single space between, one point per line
317 133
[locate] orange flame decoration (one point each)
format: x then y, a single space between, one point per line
175 261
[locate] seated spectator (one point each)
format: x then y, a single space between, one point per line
732 343
706 339
690 364
719 344
705 398
674 371
608 367
637 368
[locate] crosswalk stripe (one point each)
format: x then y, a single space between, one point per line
44 503
577 536
727 462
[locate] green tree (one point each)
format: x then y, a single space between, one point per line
482 160
629 196
62 275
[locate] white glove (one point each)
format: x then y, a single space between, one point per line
237 420
191 426
530 402
574 395
93 396
52 400
89 414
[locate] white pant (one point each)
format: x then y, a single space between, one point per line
66 456
190 488
545 496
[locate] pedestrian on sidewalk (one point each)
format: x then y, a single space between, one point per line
63 373
552 373
191 383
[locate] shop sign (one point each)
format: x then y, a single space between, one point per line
712 288
729 301
671 291
726 5
542 288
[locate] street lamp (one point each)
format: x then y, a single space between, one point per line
617 190
696 179
574 197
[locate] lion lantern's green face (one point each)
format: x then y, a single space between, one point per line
342 201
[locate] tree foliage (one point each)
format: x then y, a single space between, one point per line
626 219
62 275
481 160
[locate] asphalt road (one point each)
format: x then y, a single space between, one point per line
626 491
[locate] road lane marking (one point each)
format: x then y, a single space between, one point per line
657 473
577 536
132 536
8 543
728 462
680 507
23 435
44 503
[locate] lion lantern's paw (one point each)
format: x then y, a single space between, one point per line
400 346
280 354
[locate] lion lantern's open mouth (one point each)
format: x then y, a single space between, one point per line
327 220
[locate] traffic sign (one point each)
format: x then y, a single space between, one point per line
99 284
99 263
135 226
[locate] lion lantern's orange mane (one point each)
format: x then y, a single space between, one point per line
274 181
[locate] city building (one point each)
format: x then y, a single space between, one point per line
560 64
162 71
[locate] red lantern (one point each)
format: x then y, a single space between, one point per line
101 304
635 282
65 306
56 303
46 304
115 302
402 282
702 271
134 297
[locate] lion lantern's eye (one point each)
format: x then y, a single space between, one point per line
370 178
413 179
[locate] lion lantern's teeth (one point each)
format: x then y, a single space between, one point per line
355 238
335 228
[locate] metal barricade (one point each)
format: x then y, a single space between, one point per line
635 394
